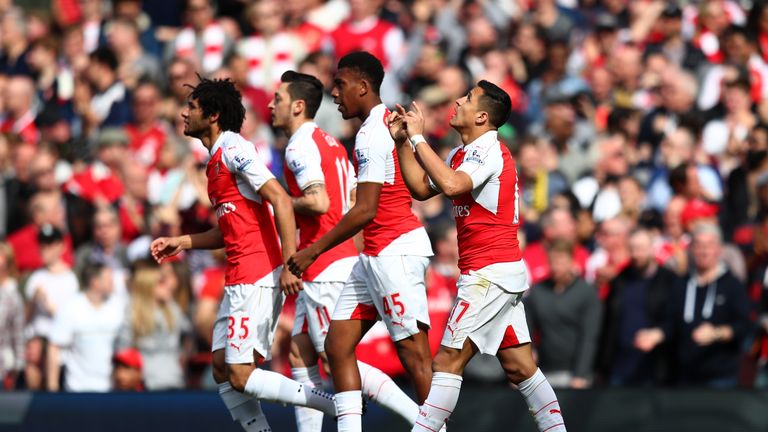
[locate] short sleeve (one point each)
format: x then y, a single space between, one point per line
62 330
351 177
479 165
241 159
31 286
304 162
371 159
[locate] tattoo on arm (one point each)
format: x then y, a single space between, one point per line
313 189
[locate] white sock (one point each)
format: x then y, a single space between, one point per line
244 409
442 399
349 406
273 387
542 402
379 387
308 419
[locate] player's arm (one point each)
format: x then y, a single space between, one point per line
451 183
303 159
166 247
313 201
414 176
285 223
366 203
284 220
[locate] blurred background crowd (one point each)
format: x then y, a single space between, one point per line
640 130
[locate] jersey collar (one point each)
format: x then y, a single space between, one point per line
377 112
223 137
306 128
485 139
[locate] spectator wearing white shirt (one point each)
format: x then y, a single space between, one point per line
87 328
46 290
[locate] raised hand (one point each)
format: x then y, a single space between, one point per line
414 120
396 125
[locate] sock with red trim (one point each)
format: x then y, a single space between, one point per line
380 388
542 402
442 399
308 419
349 408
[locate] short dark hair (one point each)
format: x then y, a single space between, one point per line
365 64
562 246
496 102
91 272
304 87
220 96
104 56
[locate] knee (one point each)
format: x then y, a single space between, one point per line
448 361
518 372
295 360
335 348
220 374
238 379
416 359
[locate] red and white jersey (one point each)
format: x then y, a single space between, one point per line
314 157
379 37
235 175
395 230
269 58
487 218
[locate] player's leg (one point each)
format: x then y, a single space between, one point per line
353 316
416 358
253 314
244 409
303 358
471 327
399 292
343 337
520 367
444 392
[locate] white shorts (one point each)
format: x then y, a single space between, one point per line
314 306
246 321
491 317
388 287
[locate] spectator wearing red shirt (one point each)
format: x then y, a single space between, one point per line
19 98
271 50
612 255
365 31
556 224
133 207
147 133
46 208
99 183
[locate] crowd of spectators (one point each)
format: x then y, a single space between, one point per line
640 130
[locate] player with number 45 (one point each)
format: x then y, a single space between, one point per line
321 181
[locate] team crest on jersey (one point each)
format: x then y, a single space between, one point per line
361 154
242 162
475 157
297 165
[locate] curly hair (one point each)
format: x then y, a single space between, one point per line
220 96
